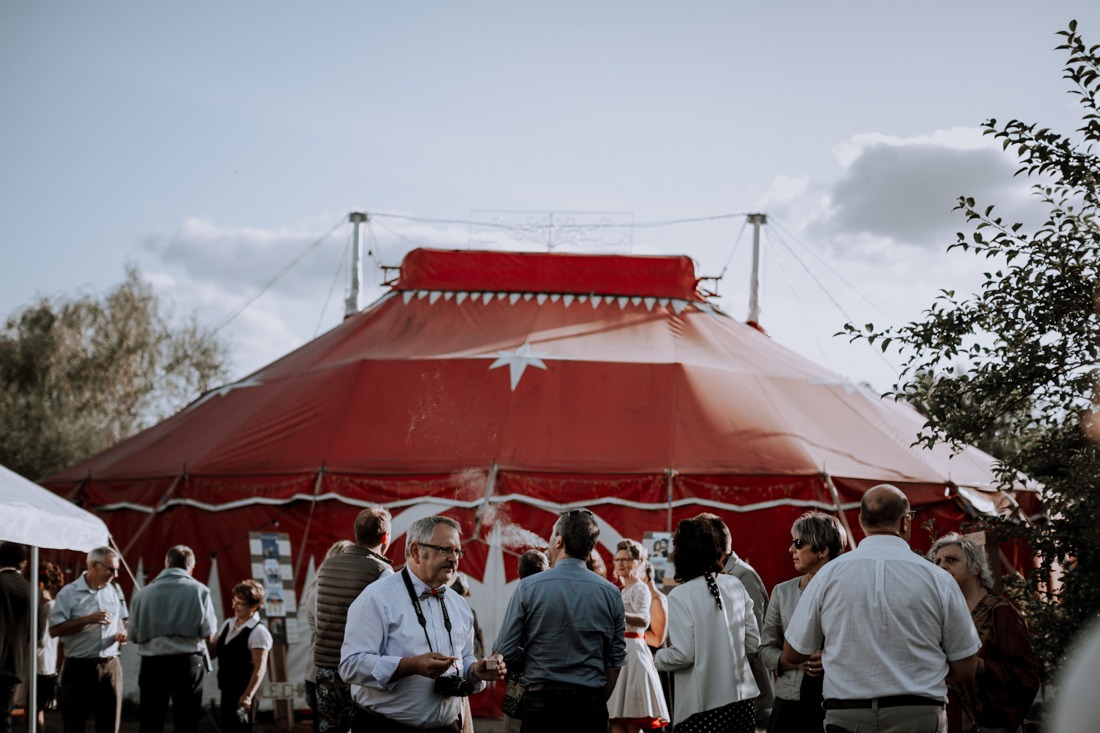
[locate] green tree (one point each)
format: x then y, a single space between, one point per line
1018 358
78 375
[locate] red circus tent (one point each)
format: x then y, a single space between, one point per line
502 388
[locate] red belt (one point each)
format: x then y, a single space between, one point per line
634 635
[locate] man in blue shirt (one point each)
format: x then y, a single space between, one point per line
88 616
567 626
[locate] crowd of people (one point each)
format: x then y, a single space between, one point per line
172 623
874 639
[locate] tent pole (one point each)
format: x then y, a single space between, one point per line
668 484
486 499
757 220
351 305
839 509
36 634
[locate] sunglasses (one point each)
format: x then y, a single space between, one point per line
799 543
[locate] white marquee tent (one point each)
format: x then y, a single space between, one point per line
39 518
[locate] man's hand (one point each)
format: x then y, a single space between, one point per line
791 658
430 664
812 666
74 625
490 668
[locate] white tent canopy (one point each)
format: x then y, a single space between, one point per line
37 517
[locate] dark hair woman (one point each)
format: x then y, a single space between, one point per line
241 651
711 633
816 538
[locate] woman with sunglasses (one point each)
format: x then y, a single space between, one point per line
637 702
817 538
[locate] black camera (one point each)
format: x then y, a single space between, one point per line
453 686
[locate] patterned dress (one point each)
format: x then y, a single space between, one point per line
637 695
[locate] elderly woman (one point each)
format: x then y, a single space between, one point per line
241 650
711 633
1008 671
637 702
816 538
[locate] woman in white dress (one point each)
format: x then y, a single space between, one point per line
637 702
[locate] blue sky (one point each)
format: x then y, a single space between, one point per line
210 143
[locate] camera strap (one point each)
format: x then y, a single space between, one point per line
420 611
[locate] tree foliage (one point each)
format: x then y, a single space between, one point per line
77 375
1017 360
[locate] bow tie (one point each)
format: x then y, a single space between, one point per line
437 592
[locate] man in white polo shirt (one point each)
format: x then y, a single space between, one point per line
895 628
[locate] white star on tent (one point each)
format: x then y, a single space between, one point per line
518 361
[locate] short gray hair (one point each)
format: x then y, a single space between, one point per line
180 556
976 559
822 531
100 554
422 530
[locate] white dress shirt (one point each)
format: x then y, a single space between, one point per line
259 637
890 621
382 628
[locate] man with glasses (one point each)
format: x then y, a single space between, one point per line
408 650
340 580
88 616
895 627
567 625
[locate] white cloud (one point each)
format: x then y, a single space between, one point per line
956 138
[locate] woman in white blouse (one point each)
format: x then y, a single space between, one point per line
241 650
816 538
711 633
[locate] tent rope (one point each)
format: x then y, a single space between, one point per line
153 514
839 509
122 559
309 521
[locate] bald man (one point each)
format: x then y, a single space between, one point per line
895 628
